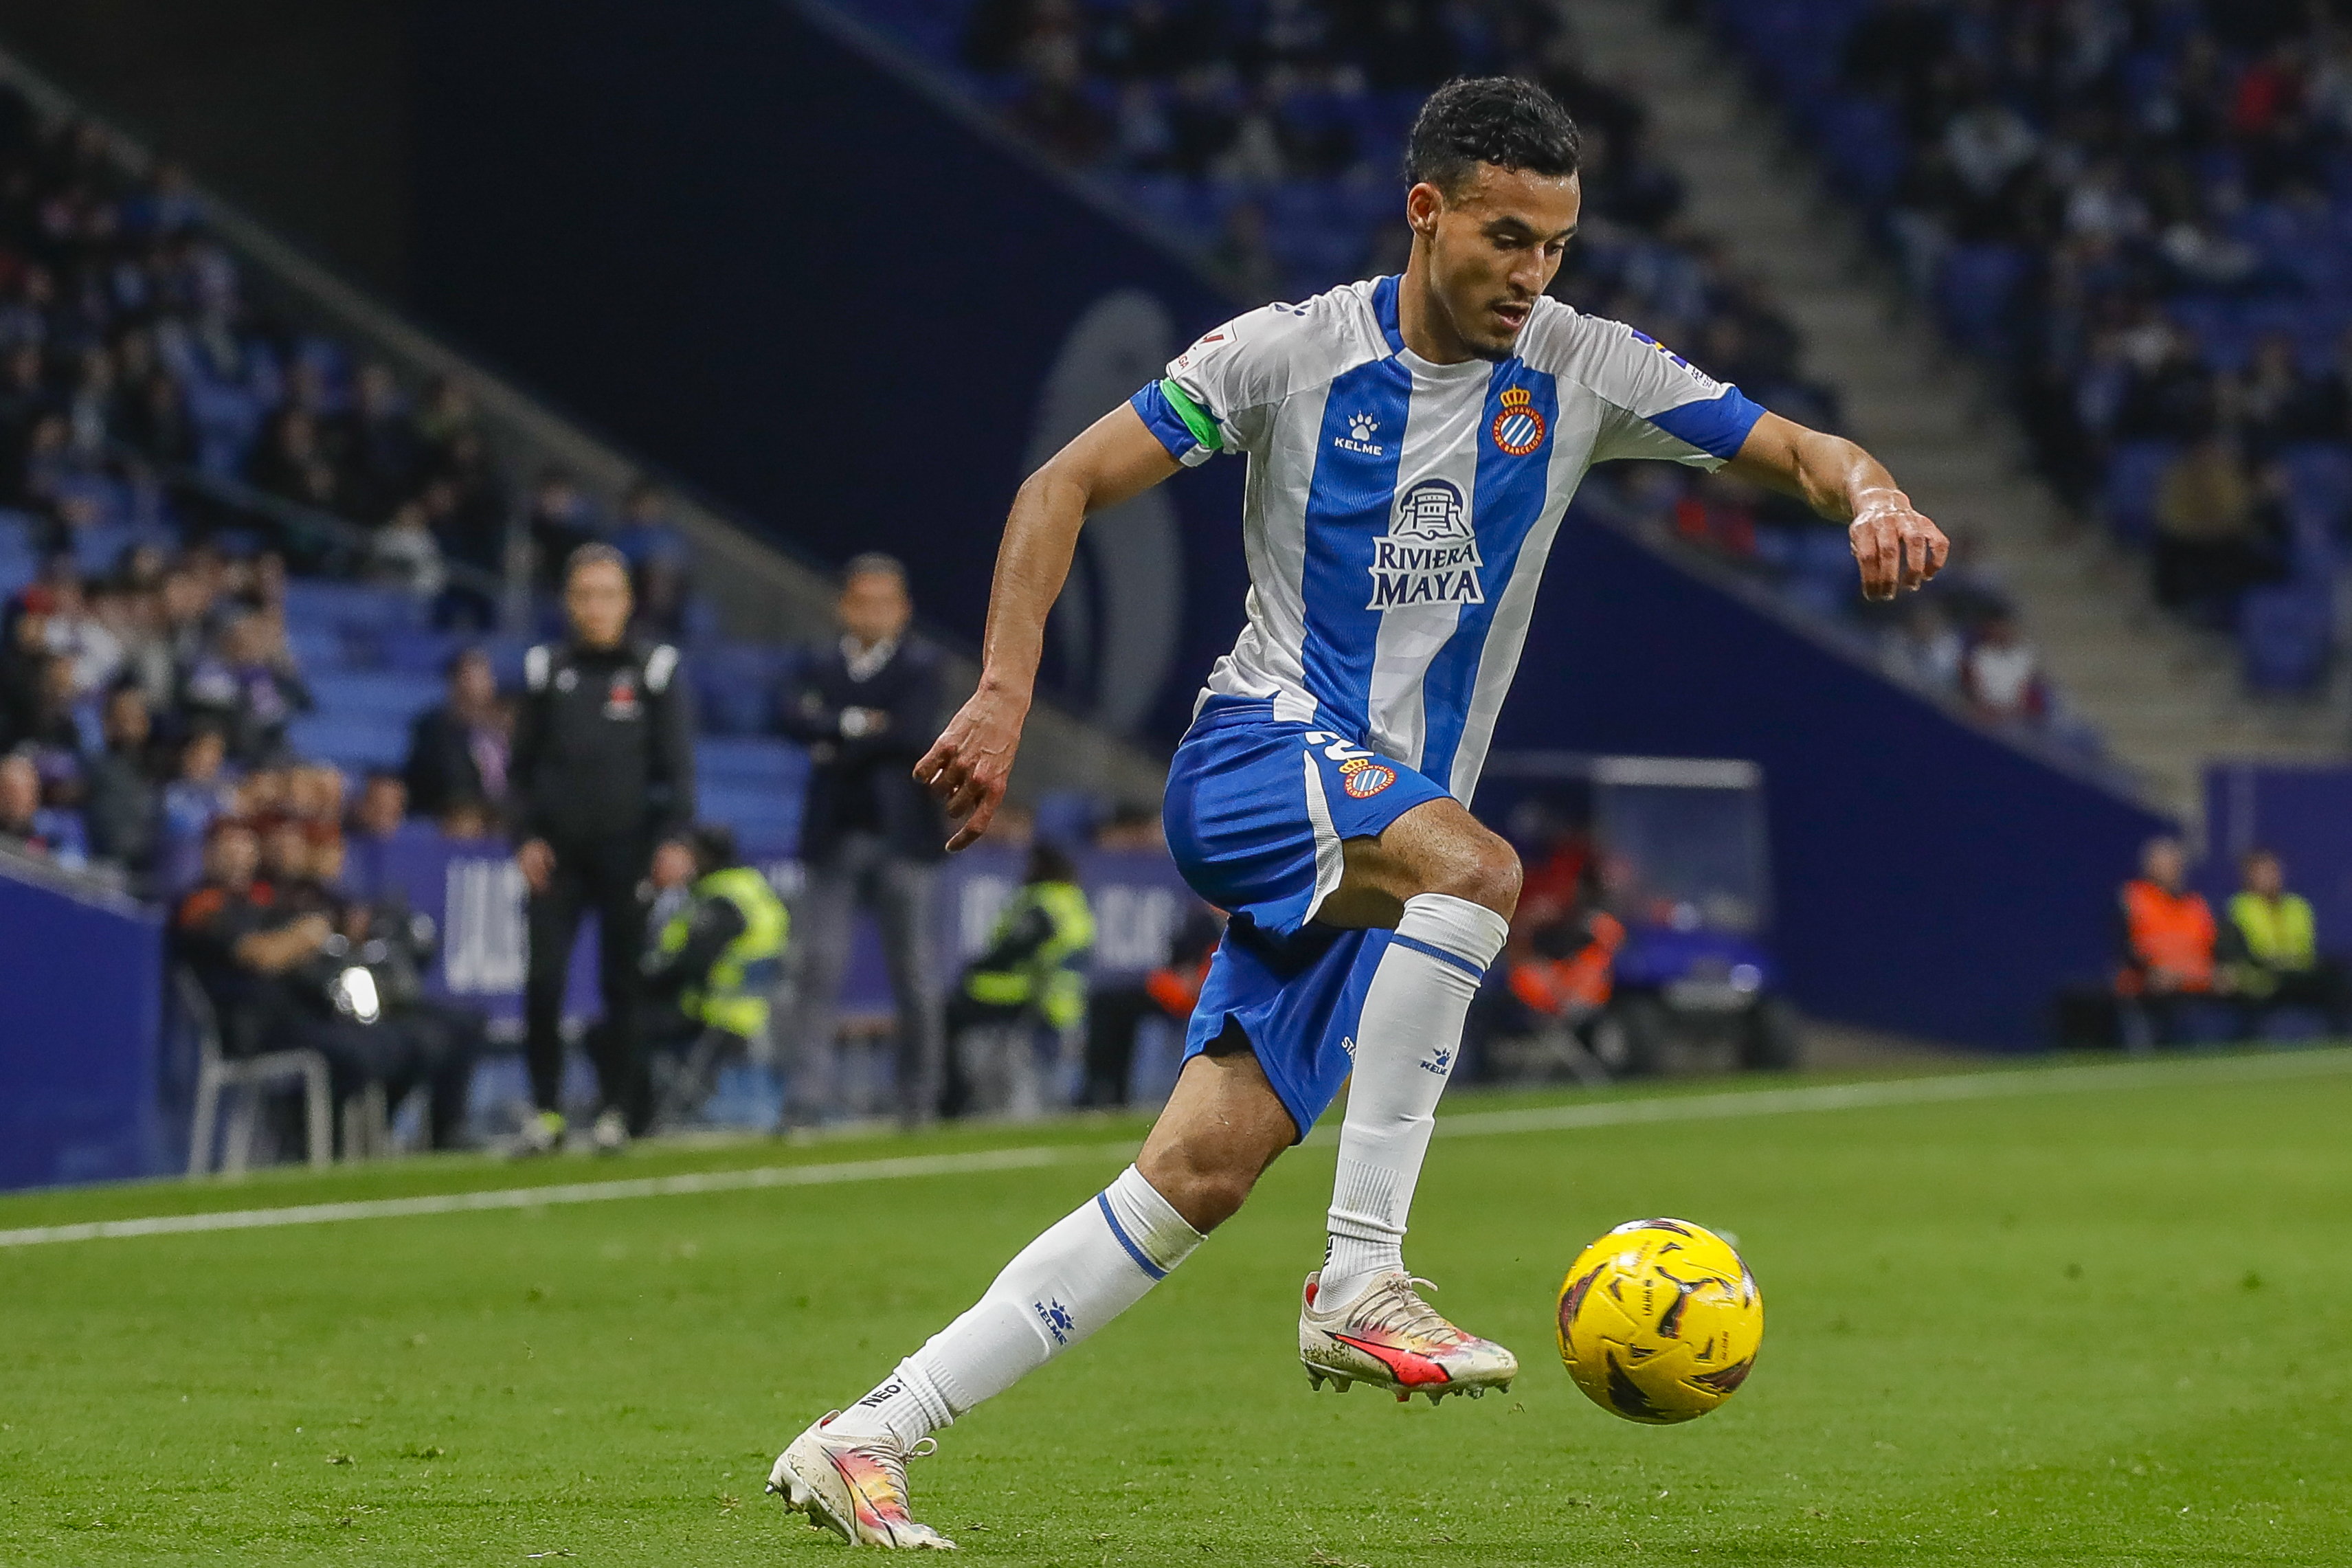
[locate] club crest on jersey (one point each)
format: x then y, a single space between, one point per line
1518 429
1429 555
1363 778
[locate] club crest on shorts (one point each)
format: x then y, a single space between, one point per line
1362 779
1518 429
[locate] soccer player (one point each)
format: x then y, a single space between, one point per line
1413 443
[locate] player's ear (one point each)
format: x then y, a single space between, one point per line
1422 204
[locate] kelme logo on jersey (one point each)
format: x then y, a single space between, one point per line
1518 429
1361 429
1429 555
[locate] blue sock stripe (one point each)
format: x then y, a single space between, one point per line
1142 1260
1456 960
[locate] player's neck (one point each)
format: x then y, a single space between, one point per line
1420 322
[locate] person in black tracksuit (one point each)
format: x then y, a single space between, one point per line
602 771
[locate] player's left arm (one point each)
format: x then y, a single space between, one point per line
1895 545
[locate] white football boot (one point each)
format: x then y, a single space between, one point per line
855 1487
1391 1339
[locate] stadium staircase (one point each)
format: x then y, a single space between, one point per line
374 664
2166 698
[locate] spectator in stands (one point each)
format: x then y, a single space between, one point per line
29 827
2272 946
1029 984
2168 941
123 808
562 519
2209 546
249 686
461 749
866 706
381 809
132 612
2274 404
78 635
375 444
404 554
292 465
200 790
2002 675
602 772
1926 649
658 558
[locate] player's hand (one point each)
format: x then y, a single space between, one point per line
971 763
536 862
1895 547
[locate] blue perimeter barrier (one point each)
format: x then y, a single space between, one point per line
81 1004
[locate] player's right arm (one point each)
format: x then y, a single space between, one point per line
1112 460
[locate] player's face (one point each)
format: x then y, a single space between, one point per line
1494 246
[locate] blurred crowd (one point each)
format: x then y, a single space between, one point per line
2141 212
173 454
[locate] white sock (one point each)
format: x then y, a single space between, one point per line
1408 1035
1086 1269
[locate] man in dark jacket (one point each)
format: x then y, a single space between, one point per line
602 771
124 808
460 750
865 706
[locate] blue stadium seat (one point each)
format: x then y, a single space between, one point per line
752 762
352 607
767 822
1976 290
2128 496
2288 633
354 743
382 697
734 686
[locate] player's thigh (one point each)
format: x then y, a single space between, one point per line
1436 848
1221 1127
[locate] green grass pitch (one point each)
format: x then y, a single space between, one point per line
2048 1328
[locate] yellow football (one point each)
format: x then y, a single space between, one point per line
1660 1320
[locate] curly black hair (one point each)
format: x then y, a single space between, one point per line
1496 120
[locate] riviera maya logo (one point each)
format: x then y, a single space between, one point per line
1361 429
1429 555
1518 429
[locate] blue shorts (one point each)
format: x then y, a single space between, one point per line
1256 810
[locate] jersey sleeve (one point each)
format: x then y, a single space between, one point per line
1215 394
1661 405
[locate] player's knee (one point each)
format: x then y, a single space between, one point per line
1205 1189
1484 868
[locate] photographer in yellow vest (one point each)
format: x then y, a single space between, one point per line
2270 945
1032 977
712 965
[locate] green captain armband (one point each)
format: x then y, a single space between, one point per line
1196 418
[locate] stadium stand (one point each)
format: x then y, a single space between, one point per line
181 452
2137 216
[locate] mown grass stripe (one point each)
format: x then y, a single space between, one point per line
1937 1089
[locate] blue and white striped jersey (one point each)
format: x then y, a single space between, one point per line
1398 513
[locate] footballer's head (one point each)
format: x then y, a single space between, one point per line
1495 198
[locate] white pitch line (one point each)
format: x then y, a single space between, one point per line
1927 1090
